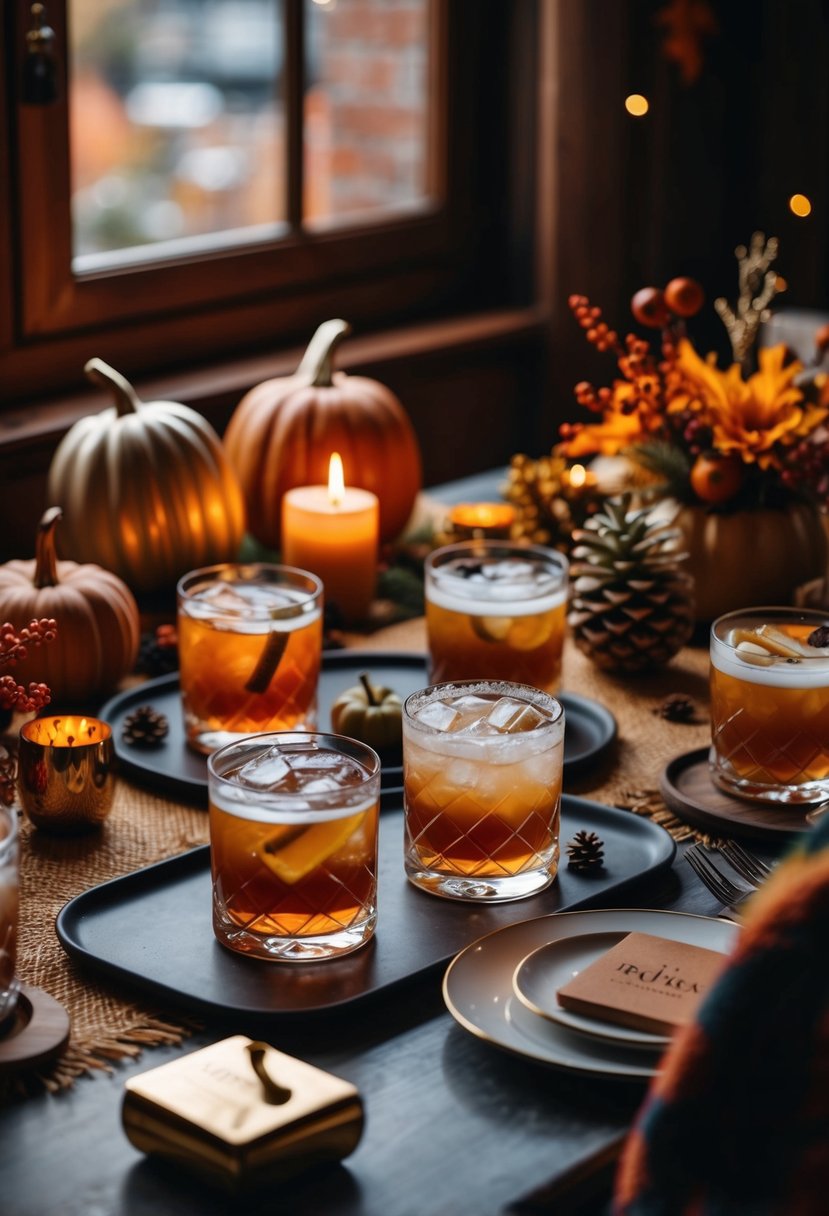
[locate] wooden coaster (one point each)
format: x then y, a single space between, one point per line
689 791
37 1033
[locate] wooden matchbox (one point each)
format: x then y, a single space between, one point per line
644 982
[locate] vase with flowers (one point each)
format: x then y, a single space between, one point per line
743 451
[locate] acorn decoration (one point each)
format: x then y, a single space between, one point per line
371 713
144 727
585 851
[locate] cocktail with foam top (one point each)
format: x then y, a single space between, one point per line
496 611
770 704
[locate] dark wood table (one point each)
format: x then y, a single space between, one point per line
454 1125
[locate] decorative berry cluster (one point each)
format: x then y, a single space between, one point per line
14 648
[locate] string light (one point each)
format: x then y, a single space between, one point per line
800 205
637 105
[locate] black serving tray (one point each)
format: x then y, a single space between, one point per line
152 929
174 767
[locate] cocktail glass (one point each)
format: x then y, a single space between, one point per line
9 984
250 647
293 837
770 704
496 611
482 766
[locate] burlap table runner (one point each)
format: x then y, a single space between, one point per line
145 827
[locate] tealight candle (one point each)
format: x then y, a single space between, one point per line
470 520
65 771
333 531
581 481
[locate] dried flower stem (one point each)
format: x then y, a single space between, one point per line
758 284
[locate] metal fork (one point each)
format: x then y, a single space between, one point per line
720 886
749 867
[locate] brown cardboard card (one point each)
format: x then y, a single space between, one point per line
645 982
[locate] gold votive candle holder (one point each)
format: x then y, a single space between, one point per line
65 772
479 520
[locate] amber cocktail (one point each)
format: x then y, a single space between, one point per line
496 611
9 985
770 704
293 840
482 766
250 646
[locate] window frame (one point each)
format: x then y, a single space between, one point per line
424 262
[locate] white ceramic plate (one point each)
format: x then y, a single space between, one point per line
538 977
478 992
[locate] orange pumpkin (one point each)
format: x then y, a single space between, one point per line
284 431
96 614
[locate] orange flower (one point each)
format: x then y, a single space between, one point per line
748 417
631 417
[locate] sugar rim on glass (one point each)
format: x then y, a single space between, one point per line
497 749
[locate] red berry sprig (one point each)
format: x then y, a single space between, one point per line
14 647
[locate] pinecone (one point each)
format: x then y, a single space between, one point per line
677 707
145 727
585 851
632 606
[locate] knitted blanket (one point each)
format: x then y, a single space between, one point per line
738 1120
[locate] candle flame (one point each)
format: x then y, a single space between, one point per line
578 476
336 480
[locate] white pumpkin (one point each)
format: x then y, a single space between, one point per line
145 489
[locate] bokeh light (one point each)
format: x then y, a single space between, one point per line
637 105
800 205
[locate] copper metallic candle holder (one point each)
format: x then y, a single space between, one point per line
66 778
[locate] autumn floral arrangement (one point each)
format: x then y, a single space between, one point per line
753 435
675 425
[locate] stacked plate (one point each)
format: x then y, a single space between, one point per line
503 987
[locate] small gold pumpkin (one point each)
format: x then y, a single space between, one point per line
96 613
371 713
145 488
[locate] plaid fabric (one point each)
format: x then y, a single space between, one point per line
737 1122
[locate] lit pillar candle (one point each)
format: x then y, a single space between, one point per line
333 532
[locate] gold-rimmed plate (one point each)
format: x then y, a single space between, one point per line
478 991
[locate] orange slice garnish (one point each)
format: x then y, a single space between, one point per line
292 853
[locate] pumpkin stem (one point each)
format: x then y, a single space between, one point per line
46 562
317 366
126 399
370 697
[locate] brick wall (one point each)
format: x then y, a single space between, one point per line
366 109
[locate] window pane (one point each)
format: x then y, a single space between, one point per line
365 106
177 122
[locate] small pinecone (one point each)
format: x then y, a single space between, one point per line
632 606
585 851
677 708
145 727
